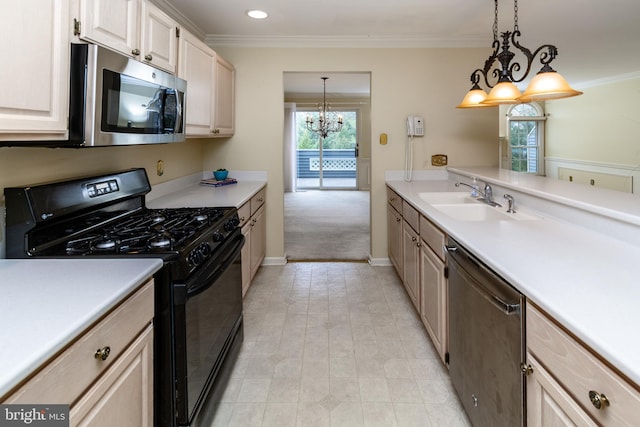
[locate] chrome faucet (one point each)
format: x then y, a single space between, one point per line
509 198
487 196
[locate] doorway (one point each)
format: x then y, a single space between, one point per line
326 180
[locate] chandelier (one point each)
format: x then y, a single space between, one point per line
327 121
547 84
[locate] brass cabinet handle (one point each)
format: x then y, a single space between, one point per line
148 57
398 219
526 369
598 400
102 353
135 52
242 219
215 131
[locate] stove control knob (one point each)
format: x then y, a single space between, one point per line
217 237
231 224
199 254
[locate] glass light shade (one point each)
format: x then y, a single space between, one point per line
549 85
473 99
503 93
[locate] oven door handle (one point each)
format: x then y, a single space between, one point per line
211 275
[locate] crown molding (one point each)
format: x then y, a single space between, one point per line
184 22
227 40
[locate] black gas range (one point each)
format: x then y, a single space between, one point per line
198 296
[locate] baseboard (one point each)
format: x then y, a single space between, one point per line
380 262
274 261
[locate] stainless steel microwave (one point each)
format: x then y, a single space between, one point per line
116 100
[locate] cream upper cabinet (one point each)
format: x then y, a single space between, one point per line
224 95
196 65
210 80
135 28
159 45
111 23
34 77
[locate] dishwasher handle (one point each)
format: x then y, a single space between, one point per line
506 307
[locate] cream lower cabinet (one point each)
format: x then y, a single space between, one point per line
34 80
411 268
254 228
434 298
394 237
416 251
106 375
569 385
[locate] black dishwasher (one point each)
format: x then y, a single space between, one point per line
486 341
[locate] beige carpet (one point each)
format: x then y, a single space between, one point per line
326 225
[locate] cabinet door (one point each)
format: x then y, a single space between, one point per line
246 257
111 23
258 239
123 396
433 298
394 238
196 65
224 93
34 79
411 250
548 405
159 43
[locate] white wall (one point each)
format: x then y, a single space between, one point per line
603 125
427 82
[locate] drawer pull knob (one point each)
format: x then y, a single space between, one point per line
598 400
135 52
148 57
102 353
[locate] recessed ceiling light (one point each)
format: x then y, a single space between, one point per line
257 14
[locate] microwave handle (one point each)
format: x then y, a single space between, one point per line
179 111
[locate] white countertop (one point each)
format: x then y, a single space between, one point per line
46 303
585 279
186 192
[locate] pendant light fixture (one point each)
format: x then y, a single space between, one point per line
547 84
327 121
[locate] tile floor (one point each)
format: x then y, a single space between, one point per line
335 344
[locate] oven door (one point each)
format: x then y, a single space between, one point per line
208 316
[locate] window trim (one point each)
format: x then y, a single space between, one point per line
540 120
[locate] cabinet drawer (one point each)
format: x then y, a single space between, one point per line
411 216
394 200
258 200
244 213
579 371
67 376
432 236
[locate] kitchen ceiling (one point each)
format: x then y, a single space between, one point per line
595 39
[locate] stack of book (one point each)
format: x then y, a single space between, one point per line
212 182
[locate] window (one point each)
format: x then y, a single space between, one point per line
334 165
525 128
